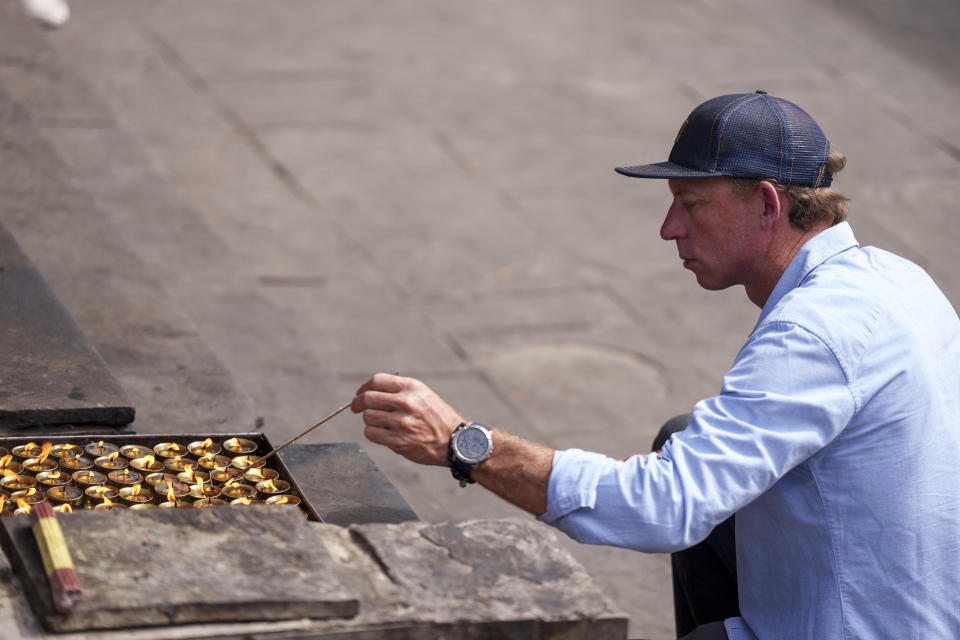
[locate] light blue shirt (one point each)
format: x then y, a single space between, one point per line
836 441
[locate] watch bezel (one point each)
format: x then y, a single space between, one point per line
476 426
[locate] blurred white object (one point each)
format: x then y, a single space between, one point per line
51 13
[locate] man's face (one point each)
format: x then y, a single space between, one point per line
715 230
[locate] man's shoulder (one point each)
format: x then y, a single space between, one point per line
857 281
855 297
845 285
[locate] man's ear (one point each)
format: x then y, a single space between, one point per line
770 199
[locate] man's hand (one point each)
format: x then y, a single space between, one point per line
407 416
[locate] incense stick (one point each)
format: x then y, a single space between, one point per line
300 435
56 558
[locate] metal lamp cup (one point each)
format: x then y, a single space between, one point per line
53 478
239 445
124 478
100 448
204 447
65 494
111 462
209 502
88 478
76 463
36 465
135 495
236 490
170 449
131 451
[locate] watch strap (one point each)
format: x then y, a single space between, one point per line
458 468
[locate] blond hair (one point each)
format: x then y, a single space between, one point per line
809 206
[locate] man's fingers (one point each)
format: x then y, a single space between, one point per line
381 419
379 400
381 436
384 383
356 405
388 382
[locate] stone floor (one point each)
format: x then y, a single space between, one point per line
273 200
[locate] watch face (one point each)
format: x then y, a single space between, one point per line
472 444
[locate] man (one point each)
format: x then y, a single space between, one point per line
835 438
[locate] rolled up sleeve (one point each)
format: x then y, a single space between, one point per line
573 482
785 399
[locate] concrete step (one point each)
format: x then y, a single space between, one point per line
170 374
50 375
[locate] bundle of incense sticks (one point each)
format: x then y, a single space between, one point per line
56 557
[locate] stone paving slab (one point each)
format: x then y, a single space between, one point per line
240 566
479 579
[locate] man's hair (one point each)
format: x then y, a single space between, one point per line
809 206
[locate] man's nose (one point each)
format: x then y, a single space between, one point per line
672 227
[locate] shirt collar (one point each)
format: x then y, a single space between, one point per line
815 252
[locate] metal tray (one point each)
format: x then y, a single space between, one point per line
149 440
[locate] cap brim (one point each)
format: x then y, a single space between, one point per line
664 170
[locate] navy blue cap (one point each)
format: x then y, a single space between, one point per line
749 135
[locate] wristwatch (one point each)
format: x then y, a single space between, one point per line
470 444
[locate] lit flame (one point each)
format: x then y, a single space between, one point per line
148 461
270 486
70 450
256 473
65 508
22 504
3 499
100 445
206 444
5 460
188 471
200 483
107 501
30 446
243 500
8 472
54 474
30 492
232 484
44 452
171 496
135 490
113 456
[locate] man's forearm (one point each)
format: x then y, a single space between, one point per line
518 471
407 416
